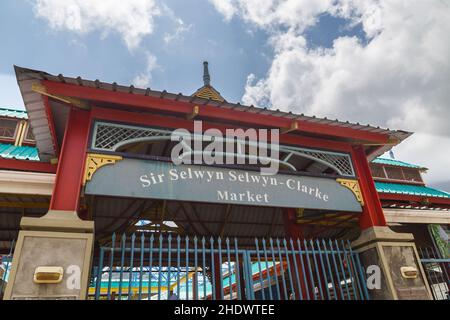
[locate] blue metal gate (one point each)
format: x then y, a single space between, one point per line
156 266
437 270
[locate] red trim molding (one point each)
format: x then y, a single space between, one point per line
27 165
413 198
158 104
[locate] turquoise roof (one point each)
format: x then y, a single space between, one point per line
10 151
398 163
409 189
13 113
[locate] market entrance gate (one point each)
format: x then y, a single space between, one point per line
151 266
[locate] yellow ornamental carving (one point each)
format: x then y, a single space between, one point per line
353 185
95 161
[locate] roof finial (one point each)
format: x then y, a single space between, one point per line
206 77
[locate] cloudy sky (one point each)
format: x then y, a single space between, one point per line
381 62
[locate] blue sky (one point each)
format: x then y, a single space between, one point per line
234 49
382 62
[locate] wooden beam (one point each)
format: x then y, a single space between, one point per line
194 113
292 127
27 165
416 216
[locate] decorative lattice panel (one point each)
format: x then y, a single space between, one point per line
110 136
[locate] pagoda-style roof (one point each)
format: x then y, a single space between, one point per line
32 84
9 151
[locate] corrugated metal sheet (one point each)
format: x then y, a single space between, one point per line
414 190
13 113
397 163
9 151
39 122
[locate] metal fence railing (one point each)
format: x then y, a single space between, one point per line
5 268
437 271
151 266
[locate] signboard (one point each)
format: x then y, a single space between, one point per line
164 180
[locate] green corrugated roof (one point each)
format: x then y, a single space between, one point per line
10 151
13 113
398 163
409 189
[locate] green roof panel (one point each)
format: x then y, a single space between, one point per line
409 189
13 113
393 162
9 151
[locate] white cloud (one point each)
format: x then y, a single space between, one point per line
131 19
399 79
142 80
225 7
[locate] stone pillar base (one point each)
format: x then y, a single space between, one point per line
394 259
59 240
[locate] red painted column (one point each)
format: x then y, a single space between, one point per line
69 175
372 214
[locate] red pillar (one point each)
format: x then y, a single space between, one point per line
372 214
69 175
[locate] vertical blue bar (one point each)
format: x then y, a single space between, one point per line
272 251
269 278
204 267
7 264
211 241
141 265
357 270
187 268
230 284
286 297
330 271
111 264
160 265
350 270
178 266
150 262
305 279
169 262
361 272
99 274
261 279
336 268
294 259
316 268
130 279
289 268
323 269
195 278
249 276
311 276
344 275
122 261
238 275
219 246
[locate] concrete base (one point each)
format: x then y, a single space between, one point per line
58 239
384 254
